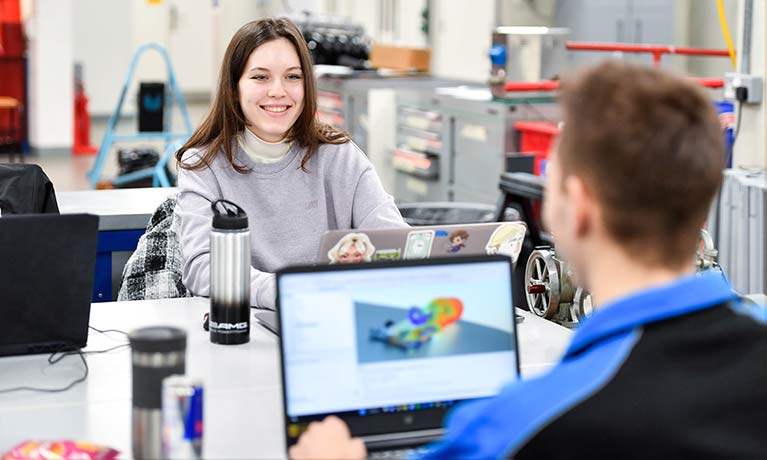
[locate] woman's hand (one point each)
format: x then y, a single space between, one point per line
328 439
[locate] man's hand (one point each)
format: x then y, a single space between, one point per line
328 439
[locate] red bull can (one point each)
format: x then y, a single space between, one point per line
182 421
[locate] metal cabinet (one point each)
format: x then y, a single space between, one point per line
428 144
481 139
455 149
483 135
331 108
420 159
738 225
611 21
363 104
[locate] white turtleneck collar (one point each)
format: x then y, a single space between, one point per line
261 151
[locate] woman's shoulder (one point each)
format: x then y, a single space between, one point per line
195 155
347 154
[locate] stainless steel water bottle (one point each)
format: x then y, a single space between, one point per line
157 352
229 320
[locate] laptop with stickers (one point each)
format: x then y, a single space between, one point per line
414 243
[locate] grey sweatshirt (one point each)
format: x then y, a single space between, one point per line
288 209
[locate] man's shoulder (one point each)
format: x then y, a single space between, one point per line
497 427
679 366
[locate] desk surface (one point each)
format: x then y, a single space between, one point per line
760 299
122 209
242 386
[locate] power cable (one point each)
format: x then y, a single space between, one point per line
57 356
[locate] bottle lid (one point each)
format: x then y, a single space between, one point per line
228 216
158 339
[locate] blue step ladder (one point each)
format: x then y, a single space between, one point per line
173 141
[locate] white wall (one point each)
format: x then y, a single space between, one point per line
751 147
409 23
104 48
461 33
150 24
51 77
196 36
233 15
191 44
185 28
705 32
363 12
526 13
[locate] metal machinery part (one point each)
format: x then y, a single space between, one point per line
582 305
550 291
706 256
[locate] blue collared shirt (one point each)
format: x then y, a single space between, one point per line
497 427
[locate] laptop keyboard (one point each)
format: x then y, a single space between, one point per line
396 453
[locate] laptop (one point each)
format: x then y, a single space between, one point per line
390 348
376 245
436 241
47 264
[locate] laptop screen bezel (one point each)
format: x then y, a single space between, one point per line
386 422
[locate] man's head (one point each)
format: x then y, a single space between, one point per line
638 161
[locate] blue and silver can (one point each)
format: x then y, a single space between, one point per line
182 421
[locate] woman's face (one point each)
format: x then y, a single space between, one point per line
271 89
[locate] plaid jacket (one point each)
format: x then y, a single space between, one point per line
154 270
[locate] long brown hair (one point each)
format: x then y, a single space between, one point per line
225 118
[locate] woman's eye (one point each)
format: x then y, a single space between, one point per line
259 77
294 77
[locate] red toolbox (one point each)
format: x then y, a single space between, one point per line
535 138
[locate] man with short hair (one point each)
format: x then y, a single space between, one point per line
671 365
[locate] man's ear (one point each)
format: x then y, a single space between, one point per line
583 205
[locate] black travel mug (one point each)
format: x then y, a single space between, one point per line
157 352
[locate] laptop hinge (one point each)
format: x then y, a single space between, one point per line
378 441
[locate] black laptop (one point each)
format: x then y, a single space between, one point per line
46 281
391 347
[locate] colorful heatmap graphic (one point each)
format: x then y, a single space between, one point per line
421 324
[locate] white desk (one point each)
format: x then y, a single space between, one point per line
243 403
121 209
123 217
759 299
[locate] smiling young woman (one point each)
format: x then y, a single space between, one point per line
262 147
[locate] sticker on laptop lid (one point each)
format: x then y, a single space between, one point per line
457 241
387 255
418 244
507 240
352 248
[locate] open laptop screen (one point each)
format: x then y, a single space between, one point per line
407 337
